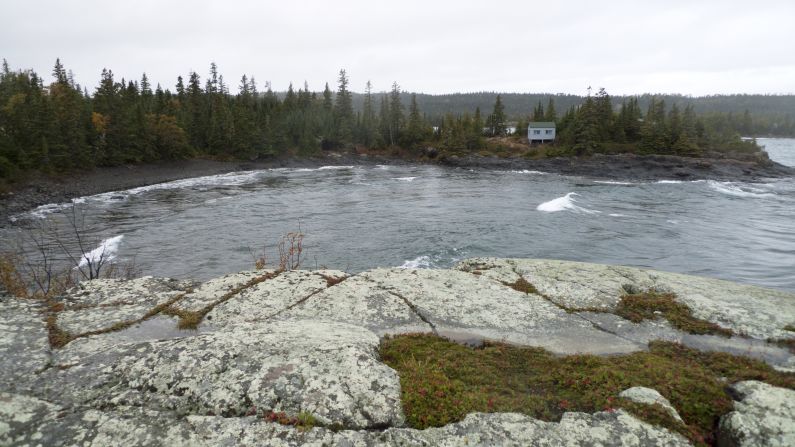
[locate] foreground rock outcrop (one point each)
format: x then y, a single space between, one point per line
305 344
764 415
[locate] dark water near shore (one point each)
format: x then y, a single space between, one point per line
361 217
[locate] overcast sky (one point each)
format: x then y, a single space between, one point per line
693 47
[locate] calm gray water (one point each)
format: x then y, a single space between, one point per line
357 218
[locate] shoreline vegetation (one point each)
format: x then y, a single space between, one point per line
58 141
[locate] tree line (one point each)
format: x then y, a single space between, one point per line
597 126
60 126
773 115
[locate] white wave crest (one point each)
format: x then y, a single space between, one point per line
229 179
612 182
404 179
565 203
669 182
739 190
420 262
617 215
322 168
105 252
326 168
42 211
526 171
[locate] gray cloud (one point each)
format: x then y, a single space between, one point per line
698 48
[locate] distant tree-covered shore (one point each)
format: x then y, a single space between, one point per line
60 126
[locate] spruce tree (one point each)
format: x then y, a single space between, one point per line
396 117
538 113
369 124
497 126
551 115
586 130
653 133
416 130
58 72
343 111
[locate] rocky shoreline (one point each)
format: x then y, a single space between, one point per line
635 167
107 363
48 189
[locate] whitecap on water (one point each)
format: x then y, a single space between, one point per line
526 171
325 168
42 211
106 251
442 259
420 262
404 179
739 189
229 179
565 203
612 182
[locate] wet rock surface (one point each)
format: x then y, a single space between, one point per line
306 343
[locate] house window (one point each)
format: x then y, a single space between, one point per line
548 131
536 132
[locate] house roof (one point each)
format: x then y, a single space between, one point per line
541 124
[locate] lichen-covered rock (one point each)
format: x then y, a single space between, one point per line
211 291
20 416
754 311
146 290
648 396
477 429
302 342
763 416
45 424
364 301
330 370
102 303
576 285
159 327
269 298
451 301
510 429
24 345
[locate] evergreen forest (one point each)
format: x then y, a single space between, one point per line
56 125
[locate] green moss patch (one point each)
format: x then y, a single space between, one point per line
651 305
441 382
522 285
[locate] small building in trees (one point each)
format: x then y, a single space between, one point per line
541 131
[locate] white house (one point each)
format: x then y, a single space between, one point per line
541 132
